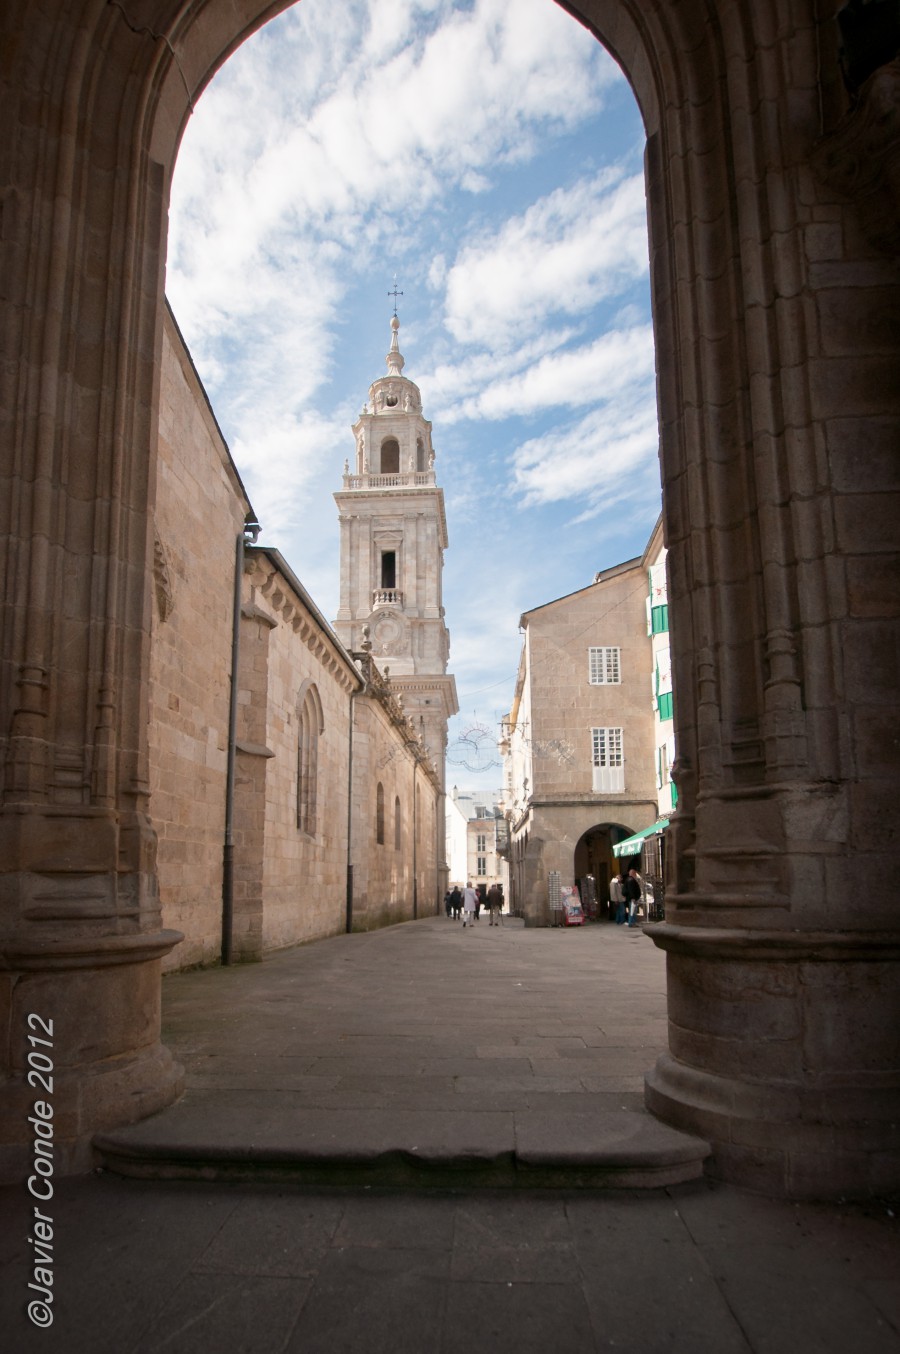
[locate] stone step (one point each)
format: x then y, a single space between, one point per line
204 1139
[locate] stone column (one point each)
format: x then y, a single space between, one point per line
83 223
779 402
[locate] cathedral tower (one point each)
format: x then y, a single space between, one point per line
393 537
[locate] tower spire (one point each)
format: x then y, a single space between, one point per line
395 362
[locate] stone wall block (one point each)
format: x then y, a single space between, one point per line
763 1170
852 1022
824 241
873 818
805 1167
848 315
866 523
877 740
756 1004
872 663
815 818
872 587
862 454
867 386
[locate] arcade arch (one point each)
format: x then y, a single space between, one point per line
593 857
775 373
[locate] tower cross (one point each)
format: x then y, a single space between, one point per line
395 293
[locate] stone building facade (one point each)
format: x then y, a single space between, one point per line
646 849
199 511
578 740
319 739
771 172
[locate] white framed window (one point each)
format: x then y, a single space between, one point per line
608 761
604 666
481 842
481 866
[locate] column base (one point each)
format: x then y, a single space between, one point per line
83 1051
785 1055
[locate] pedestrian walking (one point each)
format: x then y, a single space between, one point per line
633 891
469 901
495 903
456 901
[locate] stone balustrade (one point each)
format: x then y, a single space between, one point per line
417 479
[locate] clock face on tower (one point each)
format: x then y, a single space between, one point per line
388 633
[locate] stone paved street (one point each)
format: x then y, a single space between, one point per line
425 1020
424 1052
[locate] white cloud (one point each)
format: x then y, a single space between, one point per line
566 253
604 459
333 149
597 371
282 458
370 115
452 389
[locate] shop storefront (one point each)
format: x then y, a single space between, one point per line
645 851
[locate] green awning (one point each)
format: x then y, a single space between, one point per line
632 845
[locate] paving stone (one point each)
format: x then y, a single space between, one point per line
374 1301
218 1311
277 1235
653 1289
761 1283
513 1241
517 1318
389 1222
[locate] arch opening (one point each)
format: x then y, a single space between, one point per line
761 715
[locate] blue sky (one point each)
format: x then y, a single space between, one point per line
489 155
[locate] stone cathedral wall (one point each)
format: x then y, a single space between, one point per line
199 513
290 881
301 872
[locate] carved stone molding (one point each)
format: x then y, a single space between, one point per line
861 158
162 578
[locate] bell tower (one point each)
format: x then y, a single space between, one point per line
393 538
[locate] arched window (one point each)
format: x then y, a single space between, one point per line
311 726
420 455
390 457
397 823
379 814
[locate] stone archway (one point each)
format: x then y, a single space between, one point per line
776 357
594 857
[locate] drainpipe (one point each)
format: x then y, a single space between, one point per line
364 674
248 536
349 916
415 798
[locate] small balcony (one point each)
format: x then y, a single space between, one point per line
386 597
414 479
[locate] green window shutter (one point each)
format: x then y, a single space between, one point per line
659 616
665 705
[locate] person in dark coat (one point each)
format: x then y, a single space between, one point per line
633 893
